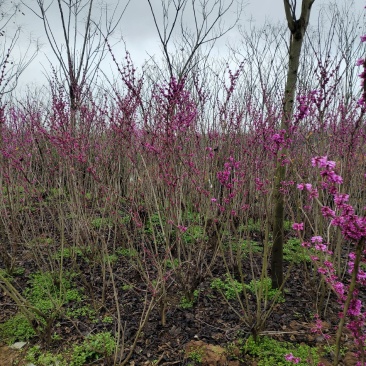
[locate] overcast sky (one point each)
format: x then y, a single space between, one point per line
138 31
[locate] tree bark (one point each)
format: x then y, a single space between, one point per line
297 28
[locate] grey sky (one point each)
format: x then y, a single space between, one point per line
139 33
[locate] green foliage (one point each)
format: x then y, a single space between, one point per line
191 217
111 258
39 358
186 303
329 349
48 294
269 352
287 225
193 234
153 227
93 348
196 355
246 246
251 226
102 222
41 241
171 264
55 193
17 328
266 286
126 252
82 311
68 253
152 223
108 319
13 272
294 252
124 218
251 246
127 287
230 287
17 271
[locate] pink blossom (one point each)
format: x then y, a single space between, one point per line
321 247
323 162
359 62
298 226
339 288
363 38
308 186
277 138
355 307
317 239
327 212
291 358
301 186
335 178
313 193
341 198
182 228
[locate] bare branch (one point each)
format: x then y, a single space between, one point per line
208 17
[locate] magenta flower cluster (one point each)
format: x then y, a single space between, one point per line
353 229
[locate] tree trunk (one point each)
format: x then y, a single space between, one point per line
298 29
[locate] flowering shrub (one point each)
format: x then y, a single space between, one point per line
353 229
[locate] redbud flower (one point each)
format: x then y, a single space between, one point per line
182 228
301 186
291 358
355 307
359 62
317 239
363 38
327 212
298 226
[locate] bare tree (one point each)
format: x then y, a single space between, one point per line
11 67
297 28
83 44
207 27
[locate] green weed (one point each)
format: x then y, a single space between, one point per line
230 287
36 356
82 311
265 285
126 252
47 293
185 303
194 234
294 252
251 226
94 347
269 352
171 264
17 328
196 355
246 246
124 218
102 222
